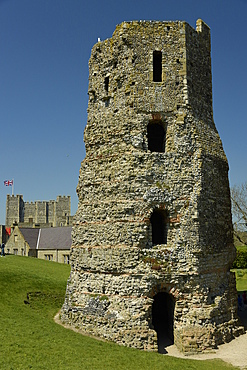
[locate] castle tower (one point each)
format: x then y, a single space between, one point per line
41 213
62 210
152 241
14 209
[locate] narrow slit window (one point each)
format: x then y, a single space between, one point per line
156 137
159 227
157 66
107 84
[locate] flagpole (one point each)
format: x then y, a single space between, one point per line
13 188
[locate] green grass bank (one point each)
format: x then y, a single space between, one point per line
241 279
31 293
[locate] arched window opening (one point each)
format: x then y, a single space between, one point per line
159 227
156 137
157 66
163 319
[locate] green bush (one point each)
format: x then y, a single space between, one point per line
240 261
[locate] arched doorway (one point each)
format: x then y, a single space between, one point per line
163 319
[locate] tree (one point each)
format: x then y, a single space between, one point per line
239 212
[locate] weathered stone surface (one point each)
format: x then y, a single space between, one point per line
152 239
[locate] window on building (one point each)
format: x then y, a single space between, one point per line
15 238
66 259
159 227
156 137
107 84
15 250
49 257
22 251
157 66
107 102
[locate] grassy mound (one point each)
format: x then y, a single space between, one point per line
241 279
31 293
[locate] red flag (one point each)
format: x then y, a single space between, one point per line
8 230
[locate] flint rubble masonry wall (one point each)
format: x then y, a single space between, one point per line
116 270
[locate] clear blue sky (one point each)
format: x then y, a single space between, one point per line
45 46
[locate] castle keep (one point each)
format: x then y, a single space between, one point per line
40 213
152 242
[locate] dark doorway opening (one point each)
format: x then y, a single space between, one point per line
157 66
163 319
159 227
156 137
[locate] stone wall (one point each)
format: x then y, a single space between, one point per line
30 212
62 211
43 213
14 206
152 241
56 255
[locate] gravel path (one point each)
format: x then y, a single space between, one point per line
234 352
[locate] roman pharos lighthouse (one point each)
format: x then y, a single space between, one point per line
152 241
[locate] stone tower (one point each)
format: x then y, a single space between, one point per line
152 240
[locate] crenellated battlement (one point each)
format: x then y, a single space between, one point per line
49 213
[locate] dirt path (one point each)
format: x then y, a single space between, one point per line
234 352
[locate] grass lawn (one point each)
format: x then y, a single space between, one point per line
30 339
241 278
242 248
